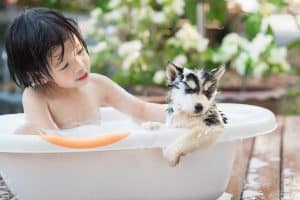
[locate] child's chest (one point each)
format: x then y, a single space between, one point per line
72 110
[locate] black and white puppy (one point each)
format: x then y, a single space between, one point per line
191 104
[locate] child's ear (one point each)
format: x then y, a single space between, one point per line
173 71
218 72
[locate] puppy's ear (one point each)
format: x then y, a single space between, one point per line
218 72
173 71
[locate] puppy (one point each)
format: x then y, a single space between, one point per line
191 104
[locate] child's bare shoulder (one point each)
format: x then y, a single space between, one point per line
97 77
100 80
33 98
33 94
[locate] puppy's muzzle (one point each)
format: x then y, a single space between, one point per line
198 108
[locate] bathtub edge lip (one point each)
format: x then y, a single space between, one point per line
34 144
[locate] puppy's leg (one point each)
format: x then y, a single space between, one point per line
209 137
178 148
187 143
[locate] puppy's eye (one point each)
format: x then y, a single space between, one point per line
208 93
189 91
191 88
191 84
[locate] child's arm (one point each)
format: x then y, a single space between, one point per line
36 112
120 99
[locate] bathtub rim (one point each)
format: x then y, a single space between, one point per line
10 143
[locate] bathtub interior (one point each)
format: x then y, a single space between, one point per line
244 121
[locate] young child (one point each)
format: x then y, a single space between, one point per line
48 57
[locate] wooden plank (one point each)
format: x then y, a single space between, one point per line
291 160
239 170
263 178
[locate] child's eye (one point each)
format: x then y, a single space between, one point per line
80 51
65 66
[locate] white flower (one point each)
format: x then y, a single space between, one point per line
178 6
114 3
110 30
285 65
226 53
144 2
113 40
141 13
277 55
129 47
202 44
229 48
260 68
249 5
93 24
190 38
158 17
160 1
258 45
95 13
114 15
240 63
235 39
130 59
180 60
159 77
101 46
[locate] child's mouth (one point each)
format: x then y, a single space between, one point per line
83 77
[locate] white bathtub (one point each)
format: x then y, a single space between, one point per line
133 168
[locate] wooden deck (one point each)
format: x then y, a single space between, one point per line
266 167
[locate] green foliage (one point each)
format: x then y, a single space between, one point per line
138 38
75 5
291 103
217 11
135 39
191 10
278 3
294 44
252 24
257 57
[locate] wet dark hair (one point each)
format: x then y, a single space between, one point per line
30 40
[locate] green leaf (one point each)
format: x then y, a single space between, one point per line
294 44
252 24
249 68
217 11
190 10
269 30
278 3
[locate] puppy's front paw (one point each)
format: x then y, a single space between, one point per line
172 156
151 126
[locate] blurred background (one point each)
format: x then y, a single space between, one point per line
131 41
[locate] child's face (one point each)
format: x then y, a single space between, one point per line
73 70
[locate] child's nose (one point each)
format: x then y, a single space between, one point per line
79 63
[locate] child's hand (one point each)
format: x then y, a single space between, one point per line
151 126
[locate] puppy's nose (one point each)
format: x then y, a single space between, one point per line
198 108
